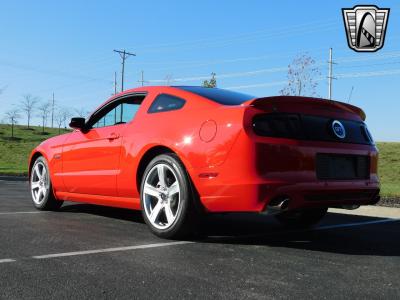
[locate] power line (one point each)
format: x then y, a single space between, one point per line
124 55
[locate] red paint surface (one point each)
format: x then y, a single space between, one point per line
252 170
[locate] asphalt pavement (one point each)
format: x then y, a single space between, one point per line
92 252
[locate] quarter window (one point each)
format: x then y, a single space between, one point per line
166 102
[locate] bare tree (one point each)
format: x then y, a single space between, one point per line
61 117
81 112
12 117
302 77
67 114
28 105
212 83
44 110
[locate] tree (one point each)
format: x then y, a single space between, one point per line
28 105
12 117
212 83
81 112
44 110
67 114
302 77
61 117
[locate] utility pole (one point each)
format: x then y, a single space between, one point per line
52 112
115 83
142 81
124 55
330 77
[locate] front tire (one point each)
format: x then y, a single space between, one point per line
41 188
166 198
302 218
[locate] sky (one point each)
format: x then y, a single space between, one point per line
66 47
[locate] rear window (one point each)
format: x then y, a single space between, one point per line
166 102
220 96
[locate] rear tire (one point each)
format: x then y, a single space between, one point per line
166 198
302 218
41 187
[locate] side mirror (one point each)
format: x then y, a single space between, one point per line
77 123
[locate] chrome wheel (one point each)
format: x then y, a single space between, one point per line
161 196
39 183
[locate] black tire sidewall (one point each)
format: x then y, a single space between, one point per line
180 227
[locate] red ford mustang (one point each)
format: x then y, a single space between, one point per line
179 152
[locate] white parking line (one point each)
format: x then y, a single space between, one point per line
157 245
6 260
355 224
128 248
19 212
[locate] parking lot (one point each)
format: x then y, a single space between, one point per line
86 251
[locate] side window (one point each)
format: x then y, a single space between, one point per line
166 102
120 112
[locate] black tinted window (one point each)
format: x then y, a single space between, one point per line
166 103
221 96
118 112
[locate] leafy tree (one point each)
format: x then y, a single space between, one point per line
28 105
12 117
302 77
212 83
44 110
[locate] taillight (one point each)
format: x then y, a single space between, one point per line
367 135
278 125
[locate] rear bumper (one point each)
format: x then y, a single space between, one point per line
255 173
255 197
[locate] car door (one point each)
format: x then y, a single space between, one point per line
91 157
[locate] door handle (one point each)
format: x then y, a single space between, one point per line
113 136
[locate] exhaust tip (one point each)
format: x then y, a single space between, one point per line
277 205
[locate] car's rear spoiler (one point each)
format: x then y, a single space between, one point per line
297 100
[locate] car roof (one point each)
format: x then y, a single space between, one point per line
220 96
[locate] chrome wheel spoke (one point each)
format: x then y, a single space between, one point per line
37 172
151 190
44 172
155 212
161 174
169 214
35 185
173 189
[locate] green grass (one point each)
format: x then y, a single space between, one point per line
14 155
389 168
